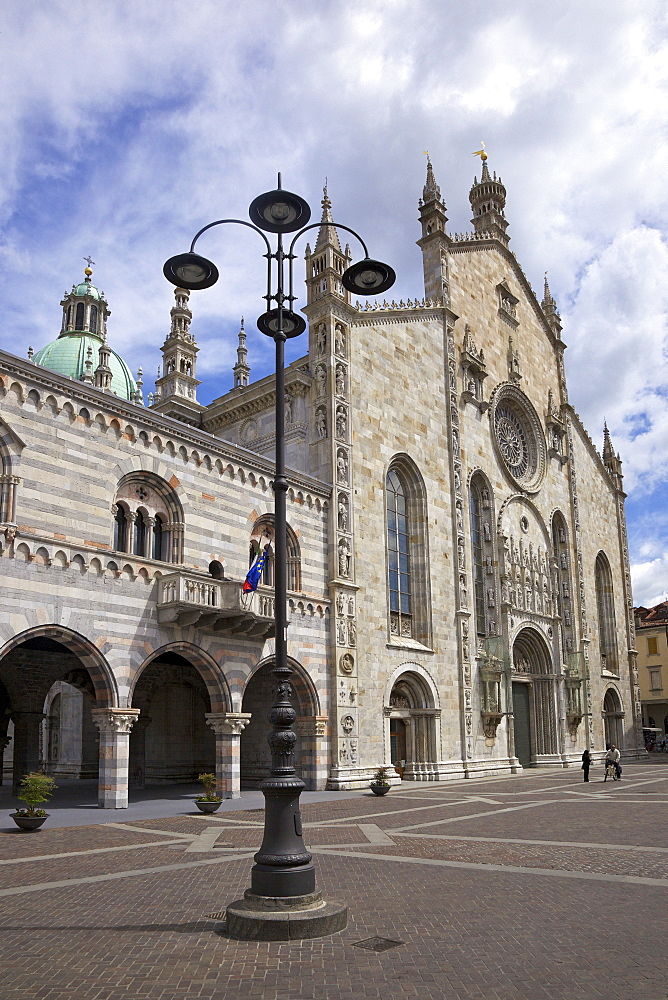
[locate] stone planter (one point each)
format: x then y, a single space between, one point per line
208 807
379 789
29 822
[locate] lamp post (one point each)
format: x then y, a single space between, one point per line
283 902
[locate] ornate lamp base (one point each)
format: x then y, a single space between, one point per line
284 918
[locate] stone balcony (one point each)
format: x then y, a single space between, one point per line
194 599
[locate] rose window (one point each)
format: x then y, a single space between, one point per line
518 437
512 441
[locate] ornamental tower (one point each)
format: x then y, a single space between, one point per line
434 241
488 201
176 390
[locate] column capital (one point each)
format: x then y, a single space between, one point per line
228 723
114 720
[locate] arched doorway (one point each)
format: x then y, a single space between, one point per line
309 727
613 719
35 667
170 741
534 691
411 736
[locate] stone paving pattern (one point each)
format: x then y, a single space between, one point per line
537 902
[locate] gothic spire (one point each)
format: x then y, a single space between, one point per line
327 232
431 191
612 461
488 201
242 368
549 306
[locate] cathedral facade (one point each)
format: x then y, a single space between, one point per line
459 596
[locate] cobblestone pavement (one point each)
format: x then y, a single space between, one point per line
535 887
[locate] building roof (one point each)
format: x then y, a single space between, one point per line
646 617
68 353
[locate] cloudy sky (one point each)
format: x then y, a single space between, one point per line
126 127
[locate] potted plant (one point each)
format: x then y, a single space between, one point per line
380 784
35 787
210 800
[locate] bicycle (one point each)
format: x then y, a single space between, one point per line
610 771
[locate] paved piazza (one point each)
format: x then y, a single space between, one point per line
536 886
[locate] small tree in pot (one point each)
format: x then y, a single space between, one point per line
35 787
380 784
210 800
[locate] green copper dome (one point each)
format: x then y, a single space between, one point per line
86 288
67 356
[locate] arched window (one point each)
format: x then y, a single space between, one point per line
156 511
565 607
120 529
407 552
605 604
79 324
263 533
398 554
93 319
478 558
216 570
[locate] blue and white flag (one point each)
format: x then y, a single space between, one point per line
255 572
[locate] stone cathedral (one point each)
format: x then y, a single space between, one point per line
458 576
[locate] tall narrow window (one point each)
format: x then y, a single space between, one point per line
156 548
120 530
93 319
605 603
79 324
139 539
475 508
398 553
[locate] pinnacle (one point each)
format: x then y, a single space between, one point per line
327 232
431 190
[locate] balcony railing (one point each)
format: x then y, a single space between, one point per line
191 599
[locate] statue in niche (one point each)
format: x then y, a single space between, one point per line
340 603
342 466
465 640
288 410
344 558
460 518
352 632
339 340
351 606
567 617
321 379
353 751
321 422
340 380
341 422
341 633
562 534
529 597
491 600
453 375
489 567
539 600
458 481
461 558
343 512
485 498
487 531
321 338
463 592
565 589
563 559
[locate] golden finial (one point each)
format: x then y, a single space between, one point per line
481 152
87 270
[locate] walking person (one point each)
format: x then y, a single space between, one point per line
586 764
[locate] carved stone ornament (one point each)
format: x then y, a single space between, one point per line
490 723
114 720
573 720
346 663
347 724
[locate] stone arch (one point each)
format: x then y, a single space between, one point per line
534 699
210 672
105 689
151 504
613 717
309 725
411 711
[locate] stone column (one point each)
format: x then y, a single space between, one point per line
27 744
228 727
4 743
114 725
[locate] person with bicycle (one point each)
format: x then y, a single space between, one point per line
612 757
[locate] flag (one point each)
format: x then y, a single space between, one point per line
255 572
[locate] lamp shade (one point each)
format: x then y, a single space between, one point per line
369 277
279 212
293 324
189 270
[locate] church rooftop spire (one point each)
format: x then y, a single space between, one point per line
327 232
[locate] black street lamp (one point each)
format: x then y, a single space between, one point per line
283 902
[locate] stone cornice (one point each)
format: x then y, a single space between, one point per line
576 422
239 404
144 418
